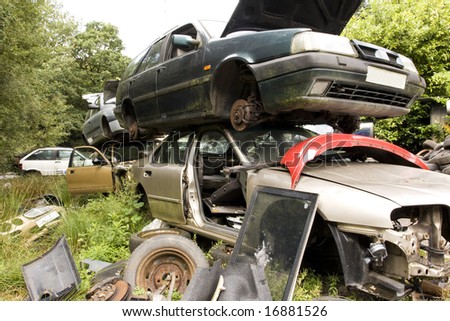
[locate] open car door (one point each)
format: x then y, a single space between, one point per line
89 171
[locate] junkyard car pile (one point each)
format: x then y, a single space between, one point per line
237 166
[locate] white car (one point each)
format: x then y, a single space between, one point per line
46 161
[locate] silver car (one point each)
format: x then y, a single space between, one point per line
100 123
382 222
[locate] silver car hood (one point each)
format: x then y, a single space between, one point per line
328 16
403 185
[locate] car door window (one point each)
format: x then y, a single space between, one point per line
173 150
133 65
214 148
63 154
84 157
152 57
180 50
42 155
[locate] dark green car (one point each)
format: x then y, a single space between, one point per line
273 59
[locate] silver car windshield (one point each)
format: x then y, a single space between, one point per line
263 146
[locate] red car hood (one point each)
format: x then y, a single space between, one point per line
298 156
328 16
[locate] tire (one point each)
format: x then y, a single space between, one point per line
429 144
155 260
441 159
446 170
138 238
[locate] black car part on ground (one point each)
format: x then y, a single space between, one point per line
53 276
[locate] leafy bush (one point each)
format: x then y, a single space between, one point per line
411 130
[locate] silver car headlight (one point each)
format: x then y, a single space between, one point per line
407 63
323 42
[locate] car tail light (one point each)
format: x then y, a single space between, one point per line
322 42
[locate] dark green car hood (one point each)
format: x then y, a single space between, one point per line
328 16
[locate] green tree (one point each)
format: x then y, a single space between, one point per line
420 30
98 52
46 65
96 56
32 112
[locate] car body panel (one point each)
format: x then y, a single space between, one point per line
320 15
165 192
81 172
110 168
400 184
347 76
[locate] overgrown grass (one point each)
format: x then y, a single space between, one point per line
101 229
16 191
96 227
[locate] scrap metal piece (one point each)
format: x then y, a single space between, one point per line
220 287
95 265
112 289
53 276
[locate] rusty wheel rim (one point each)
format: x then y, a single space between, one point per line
237 115
158 269
134 130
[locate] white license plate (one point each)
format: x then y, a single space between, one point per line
47 218
385 77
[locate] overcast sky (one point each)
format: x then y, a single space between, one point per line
141 21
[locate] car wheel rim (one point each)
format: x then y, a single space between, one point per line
157 271
237 115
134 130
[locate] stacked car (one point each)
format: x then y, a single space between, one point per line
271 60
100 123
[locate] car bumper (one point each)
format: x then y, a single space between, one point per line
343 85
